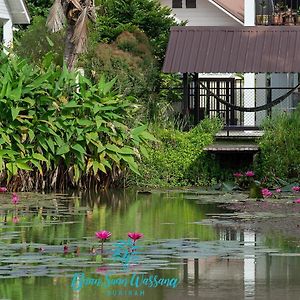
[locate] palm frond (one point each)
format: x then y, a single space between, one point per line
77 4
79 38
56 18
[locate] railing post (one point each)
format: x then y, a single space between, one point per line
269 100
185 95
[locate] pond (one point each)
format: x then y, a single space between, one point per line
48 249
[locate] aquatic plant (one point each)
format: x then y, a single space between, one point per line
249 174
266 193
296 188
135 236
244 180
15 199
103 235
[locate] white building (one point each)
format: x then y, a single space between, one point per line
12 12
239 14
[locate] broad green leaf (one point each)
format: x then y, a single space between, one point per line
144 151
63 149
113 148
148 136
78 148
23 166
39 156
15 112
12 168
138 130
38 165
51 145
131 163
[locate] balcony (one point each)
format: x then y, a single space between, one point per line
278 12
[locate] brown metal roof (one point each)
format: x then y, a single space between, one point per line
234 7
258 49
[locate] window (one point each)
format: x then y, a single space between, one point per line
176 3
190 3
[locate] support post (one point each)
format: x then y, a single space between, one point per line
196 100
7 34
249 12
249 98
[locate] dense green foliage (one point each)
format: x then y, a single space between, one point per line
38 7
129 59
280 144
43 41
58 129
117 16
178 159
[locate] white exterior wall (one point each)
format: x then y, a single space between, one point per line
5 21
205 14
249 12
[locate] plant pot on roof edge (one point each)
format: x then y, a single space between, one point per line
277 19
298 16
289 19
262 20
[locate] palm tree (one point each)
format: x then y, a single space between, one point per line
75 14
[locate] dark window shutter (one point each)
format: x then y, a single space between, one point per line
190 3
176 3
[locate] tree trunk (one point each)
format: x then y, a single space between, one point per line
70 57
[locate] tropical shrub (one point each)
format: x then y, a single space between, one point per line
280 144
178 159
149 16
58 129
129 59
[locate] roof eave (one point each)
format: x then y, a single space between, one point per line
21 16
226 12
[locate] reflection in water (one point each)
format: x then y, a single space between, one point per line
249 264
212 262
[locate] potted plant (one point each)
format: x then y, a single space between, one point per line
262 19
298 16
278 14
289 17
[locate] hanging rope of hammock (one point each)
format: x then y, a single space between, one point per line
250 109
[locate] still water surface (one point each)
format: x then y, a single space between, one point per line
206 259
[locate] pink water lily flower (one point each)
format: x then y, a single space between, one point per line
16 219
103 235
278 190
3 189
297 201
296 188
135 235
266 193
249 174
15 199
238 174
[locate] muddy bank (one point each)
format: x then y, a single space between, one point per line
271 215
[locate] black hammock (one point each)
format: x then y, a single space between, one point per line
250 109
